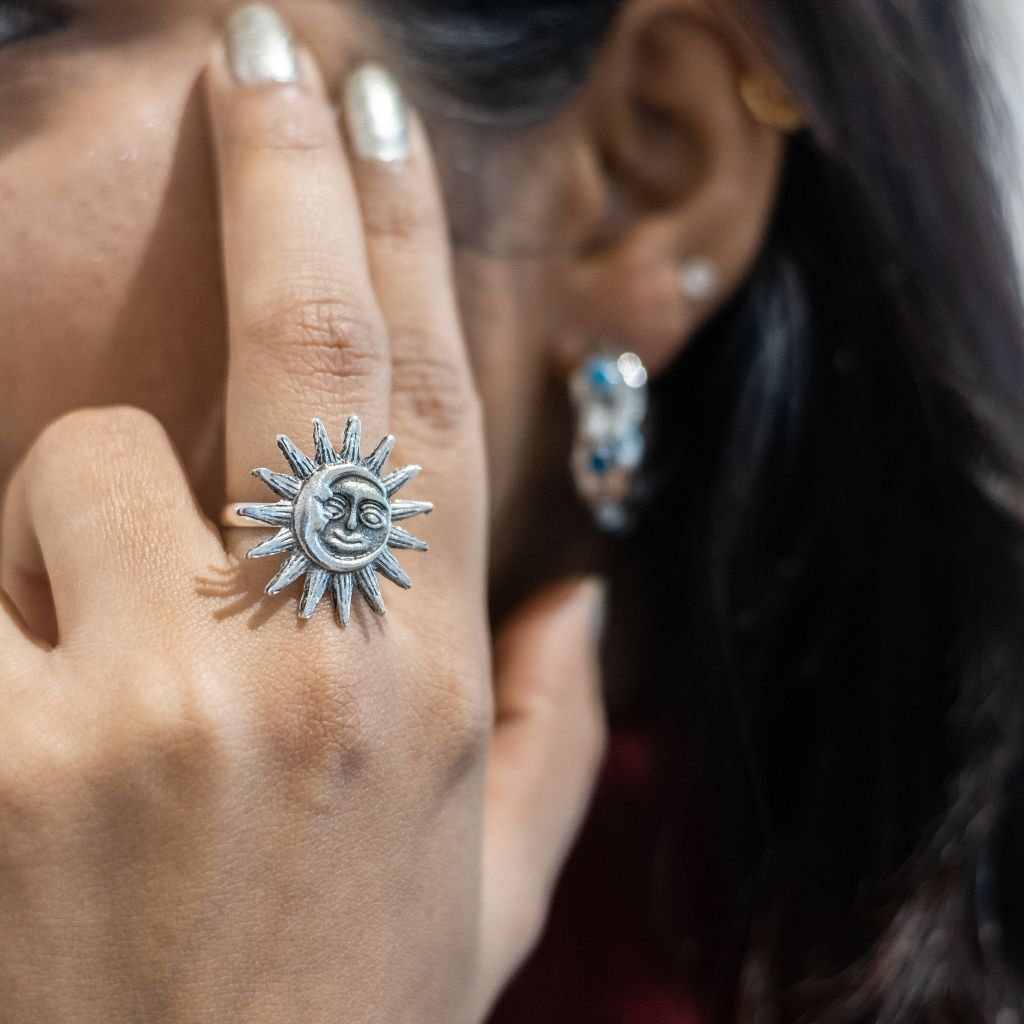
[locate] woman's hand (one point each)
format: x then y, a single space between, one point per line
208 810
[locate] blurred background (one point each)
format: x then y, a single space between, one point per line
1004 21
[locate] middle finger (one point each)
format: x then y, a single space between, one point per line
306 336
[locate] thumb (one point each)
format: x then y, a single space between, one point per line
548 744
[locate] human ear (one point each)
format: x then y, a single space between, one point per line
689 171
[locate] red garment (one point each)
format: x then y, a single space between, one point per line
599 961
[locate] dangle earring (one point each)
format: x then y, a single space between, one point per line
609 393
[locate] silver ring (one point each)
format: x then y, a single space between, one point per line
335 520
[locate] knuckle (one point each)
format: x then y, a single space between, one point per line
315 733
38 772
56 440
153 751
88 453
323 336
455 718
22 788
166 741
117 428
404 217
277 121
436 392
131 422
171 738
26 810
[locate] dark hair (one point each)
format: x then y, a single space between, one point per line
836 475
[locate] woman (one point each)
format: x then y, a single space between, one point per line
210 809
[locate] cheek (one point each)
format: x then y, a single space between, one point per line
109 209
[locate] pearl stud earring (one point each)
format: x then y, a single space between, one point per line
699 279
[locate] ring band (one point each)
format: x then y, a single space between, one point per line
335 520
231 517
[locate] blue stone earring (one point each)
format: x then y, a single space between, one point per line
609 393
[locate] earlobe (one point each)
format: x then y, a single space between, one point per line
690 174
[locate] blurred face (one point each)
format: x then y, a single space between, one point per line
111 286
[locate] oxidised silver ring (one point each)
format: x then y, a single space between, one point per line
336 520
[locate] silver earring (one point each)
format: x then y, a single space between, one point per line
610 396
699 279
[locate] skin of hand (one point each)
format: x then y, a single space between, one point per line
208 810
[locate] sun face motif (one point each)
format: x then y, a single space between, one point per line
336 520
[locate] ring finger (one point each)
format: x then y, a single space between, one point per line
434 407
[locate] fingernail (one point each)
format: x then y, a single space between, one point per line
261 47
377 121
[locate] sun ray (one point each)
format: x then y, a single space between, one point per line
292 569
388 567
280 483
325 453
276 514
408 509
302 465
393 481
374 462
352 440
366 579
399 538
313 590
342 584
281 543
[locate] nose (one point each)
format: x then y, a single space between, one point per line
351 522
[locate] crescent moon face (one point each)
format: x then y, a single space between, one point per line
336 520
342 517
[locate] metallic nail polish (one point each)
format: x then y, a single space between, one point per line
261 47
377 120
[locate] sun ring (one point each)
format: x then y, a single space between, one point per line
336 520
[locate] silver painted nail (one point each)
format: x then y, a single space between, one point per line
375 110
261 47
